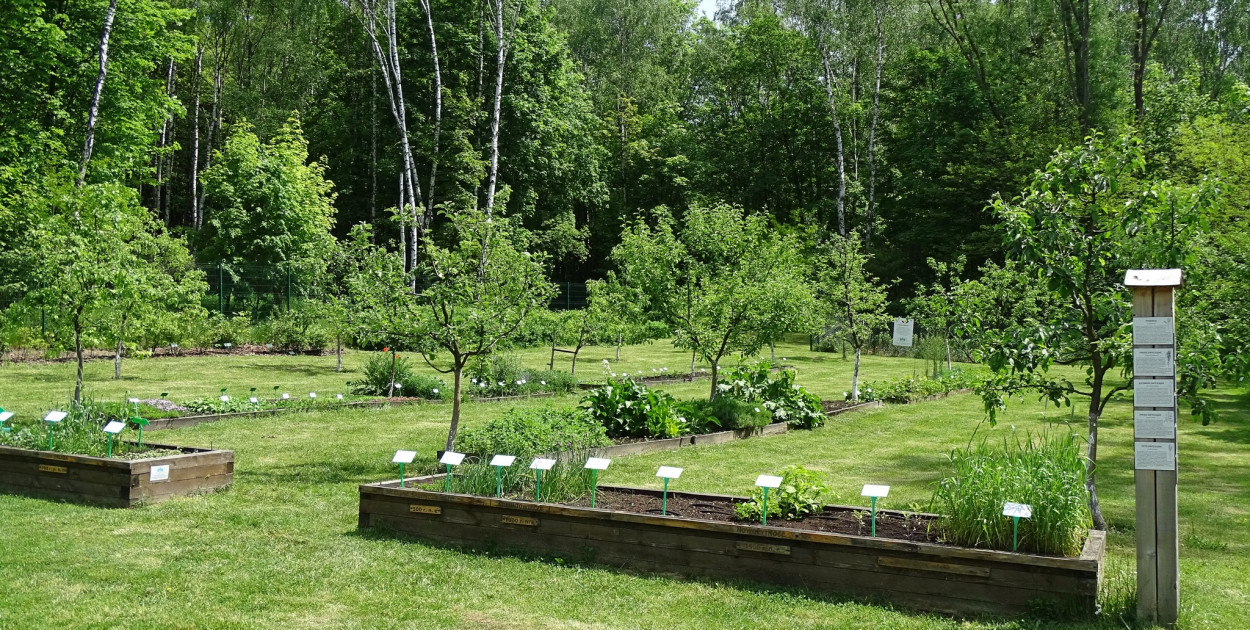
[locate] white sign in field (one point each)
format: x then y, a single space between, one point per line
1154 362
1017 510
55 416
1154 425
668 472
542 464
1155 455
1153 331
502 460
159 473
1154 393
903 332
114 427
875 491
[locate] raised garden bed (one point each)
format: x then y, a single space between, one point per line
838 407
913 573
115 482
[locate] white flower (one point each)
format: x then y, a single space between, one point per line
501 383
518 383
845 394
796 387
340 397
681 419
869 390
653 369
757 410
474 381
614 374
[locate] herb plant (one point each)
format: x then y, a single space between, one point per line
800 493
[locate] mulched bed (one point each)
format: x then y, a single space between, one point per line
835 405
839 521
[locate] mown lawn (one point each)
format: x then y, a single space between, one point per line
280 549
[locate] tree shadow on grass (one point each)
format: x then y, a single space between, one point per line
316 473
301 370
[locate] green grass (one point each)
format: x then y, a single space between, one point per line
281 550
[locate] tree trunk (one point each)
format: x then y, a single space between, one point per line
390 392
195 137
500 59
837 135
855 378
438 113
373 151
1091 466
455 405
692 365
78 355
872 131
715 369
117 361
772 350
338 350
619 338
573 369
93 113
948 354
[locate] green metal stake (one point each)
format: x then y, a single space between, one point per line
401 475
764 516
538 486
1015 531
110 453
874 517
447 485
499 481
49 436
664 505
594 485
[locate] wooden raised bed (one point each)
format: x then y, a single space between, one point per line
924 576
113 482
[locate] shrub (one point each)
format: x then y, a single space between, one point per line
788 401
800 493
724 413
1048 473
296 330
529 432
502 375
218 330
376 380
909 388
629 410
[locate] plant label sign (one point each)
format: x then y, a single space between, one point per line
502 460
1153 362
253 400
1154 425
1153 393
404 457
55 416
876 492
133 401
668 472
1155 455
4 416
768 481
1153 331
1017 510
225 398
903 332
159 473
451 458
114 427
542 463
598 463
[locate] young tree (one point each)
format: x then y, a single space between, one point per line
941 305
719 284
852 298
1081 224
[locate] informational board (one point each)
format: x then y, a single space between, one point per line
451 458
1158 424
1153 393
1149 331
542 464
159 473
875 491
1154 455
4 416
404 457
1154 362
114 427
668 472
903 329
55 416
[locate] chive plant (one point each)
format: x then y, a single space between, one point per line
566 481
1046 472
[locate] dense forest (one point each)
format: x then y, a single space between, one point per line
166 139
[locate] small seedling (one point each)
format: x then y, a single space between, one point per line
667 472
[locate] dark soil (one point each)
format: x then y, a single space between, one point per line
835 405
838 521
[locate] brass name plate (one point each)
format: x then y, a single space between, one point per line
61 470
762 548
520 520
425 509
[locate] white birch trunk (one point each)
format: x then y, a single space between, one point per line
93 113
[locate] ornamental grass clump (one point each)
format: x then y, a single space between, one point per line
1046 472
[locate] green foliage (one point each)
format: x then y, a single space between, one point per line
213 406
1046 472
801 492
784 399
526 433
910 388
723 413
297 330
80 433
853 300
377 381
566 482
629 410
503 375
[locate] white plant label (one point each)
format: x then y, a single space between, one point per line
404 457
285 396
340 397
4 416
1155 425
542 464
1153 362
903 332
253 400
668 472
55 416
598 463
1017 510
225 398
502 460
871 490
768 481
1155 455
159 473
133 401
312 394
1154 393
451 458
1157 331
114 427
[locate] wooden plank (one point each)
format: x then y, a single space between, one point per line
35 484
1167 547
937 567
155 493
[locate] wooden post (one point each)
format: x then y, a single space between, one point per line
1154 443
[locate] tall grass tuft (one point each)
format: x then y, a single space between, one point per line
567 481
1047 472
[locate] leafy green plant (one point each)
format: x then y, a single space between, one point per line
630 410
786 400
530 432
909 388
298 330
502 375
724 413
1046 472
566 482
216 405
80 433
376 380
801 493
